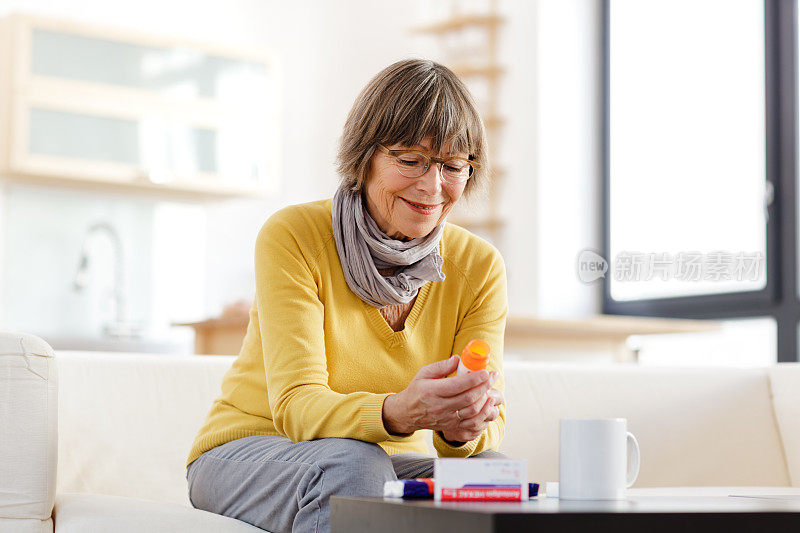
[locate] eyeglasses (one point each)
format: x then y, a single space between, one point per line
413 164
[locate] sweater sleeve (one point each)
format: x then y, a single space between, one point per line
302 404
485 319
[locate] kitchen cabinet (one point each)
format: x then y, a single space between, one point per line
99 106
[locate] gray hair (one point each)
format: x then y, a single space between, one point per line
404 103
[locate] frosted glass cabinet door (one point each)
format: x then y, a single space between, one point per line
108 104
149 144
168 71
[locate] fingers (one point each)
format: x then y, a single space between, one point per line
491 409
483 410
472 410
485 414
452 387
439 369
468 399
496 395
492 413
470 429
431 408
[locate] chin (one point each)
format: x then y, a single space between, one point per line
417 232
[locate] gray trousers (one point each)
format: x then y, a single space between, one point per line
279 485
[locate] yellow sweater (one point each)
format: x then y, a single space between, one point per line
318 362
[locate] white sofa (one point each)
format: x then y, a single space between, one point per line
120 427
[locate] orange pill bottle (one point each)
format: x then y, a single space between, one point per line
474 357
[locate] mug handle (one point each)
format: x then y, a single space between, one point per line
633 459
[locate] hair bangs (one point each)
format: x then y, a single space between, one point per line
438 112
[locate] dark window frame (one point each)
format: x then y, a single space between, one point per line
779 299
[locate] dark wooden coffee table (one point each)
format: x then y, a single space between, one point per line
681 509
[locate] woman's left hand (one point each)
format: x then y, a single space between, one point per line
467 429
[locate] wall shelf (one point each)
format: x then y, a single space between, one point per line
473 71
460 32
459 22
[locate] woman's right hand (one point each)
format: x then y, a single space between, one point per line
430 402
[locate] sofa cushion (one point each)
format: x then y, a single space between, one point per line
28 431
88 513
695 426
127 421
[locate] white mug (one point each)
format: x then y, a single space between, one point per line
598 459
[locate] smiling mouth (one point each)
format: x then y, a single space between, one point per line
426 207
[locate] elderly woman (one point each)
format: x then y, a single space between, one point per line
360 300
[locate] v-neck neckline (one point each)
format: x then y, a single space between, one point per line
382 327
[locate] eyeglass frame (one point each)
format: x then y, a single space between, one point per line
396 153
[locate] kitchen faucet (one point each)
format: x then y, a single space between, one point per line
119 327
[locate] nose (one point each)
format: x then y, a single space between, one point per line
431 181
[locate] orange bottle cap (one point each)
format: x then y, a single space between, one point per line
475 355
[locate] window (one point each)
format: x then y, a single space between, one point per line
699 161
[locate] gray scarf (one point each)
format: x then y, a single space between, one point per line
364 249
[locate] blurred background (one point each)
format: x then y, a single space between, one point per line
644 152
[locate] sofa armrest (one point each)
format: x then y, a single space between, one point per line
28 427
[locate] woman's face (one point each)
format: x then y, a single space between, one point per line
388 194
